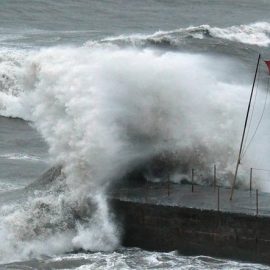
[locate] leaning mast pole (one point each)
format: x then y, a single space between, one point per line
244 130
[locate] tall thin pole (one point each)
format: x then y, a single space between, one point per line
244 131
215 177
192 180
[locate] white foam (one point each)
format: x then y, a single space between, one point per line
6 186
11 84
254 34
20 156
140 259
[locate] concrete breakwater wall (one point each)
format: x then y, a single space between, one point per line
195 221
160 221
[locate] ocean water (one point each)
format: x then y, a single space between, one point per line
106 87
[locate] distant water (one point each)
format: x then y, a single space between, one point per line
103 87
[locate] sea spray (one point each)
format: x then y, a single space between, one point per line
119 107
104 110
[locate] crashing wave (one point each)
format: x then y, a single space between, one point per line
50 220
104 111
253 34
11 88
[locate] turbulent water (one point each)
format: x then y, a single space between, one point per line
106 87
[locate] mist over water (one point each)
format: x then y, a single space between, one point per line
107 102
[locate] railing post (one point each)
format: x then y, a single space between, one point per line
250 181
257 202
168 185
218 200
192 180
215 177
146 190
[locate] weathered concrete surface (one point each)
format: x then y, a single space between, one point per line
190 222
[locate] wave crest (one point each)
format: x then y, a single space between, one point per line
253 34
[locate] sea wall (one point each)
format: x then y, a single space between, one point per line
198 221
194 231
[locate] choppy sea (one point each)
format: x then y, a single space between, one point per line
106 87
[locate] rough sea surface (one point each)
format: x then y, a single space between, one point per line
106 87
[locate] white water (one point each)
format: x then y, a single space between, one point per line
134 258
103 110
254 34
20 156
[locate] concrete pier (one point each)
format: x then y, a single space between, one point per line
172 217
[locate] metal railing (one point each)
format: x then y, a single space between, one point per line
215 186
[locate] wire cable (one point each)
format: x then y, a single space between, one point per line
260 120
253 109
